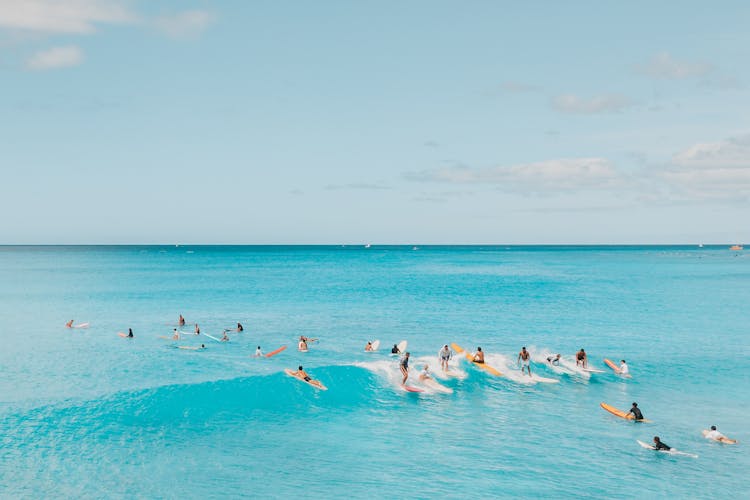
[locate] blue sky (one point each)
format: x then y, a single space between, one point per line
382 122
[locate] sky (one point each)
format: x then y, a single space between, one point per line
389 122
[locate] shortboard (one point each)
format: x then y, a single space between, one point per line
669 452
723 439
315 383
622 414
274 353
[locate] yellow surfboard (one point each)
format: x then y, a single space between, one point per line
470 358
619 413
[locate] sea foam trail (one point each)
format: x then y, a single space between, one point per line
566 366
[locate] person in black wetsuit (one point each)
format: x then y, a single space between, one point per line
637 415
404 365
395 349
130 333
658 445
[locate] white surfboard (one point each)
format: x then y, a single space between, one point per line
436 386
401 347
544 380
375 345
212 337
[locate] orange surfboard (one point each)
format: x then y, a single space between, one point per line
274 353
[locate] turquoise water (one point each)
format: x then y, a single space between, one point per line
87 413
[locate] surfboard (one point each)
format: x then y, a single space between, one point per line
432 384
616 368
544 380
125 335
190 347
167 338
212 337
409 388
669 452
82 325
274 353
723 439
315 383
619 413
470 358
375 345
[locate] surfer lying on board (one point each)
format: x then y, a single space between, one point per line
523 358
554 360
69 324
395 349
718 436
582 359
658 445
404 365
368 347
478 356
444 355
303 374
637 415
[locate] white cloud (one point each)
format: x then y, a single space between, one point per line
61 17
711 171
54 58
185 24
562 175
664 66
570 103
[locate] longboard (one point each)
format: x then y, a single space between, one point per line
274 353
409 388
615 368
212 337
723 439
670 452
168 338
81 325
470 358
432 384
190 347
619 413
315 383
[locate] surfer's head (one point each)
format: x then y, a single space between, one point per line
635 404
299 367
713 427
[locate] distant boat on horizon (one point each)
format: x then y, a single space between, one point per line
367 246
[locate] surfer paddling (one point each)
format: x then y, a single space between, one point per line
69 324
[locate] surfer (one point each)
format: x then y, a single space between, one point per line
718 436
239 327
581 358
302 374
181 321
197 329
130 333
175 335
478 356
69 324
368 347
404 365
523 358
302 346
258 352
444 355
623 370
424 374
225 337
395 349
554 360
658 445
637 415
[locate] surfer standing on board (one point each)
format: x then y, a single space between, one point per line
444 355
523 358
404 365
582 359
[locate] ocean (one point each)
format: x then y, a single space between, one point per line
86 413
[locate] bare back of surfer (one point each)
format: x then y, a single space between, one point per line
478 356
